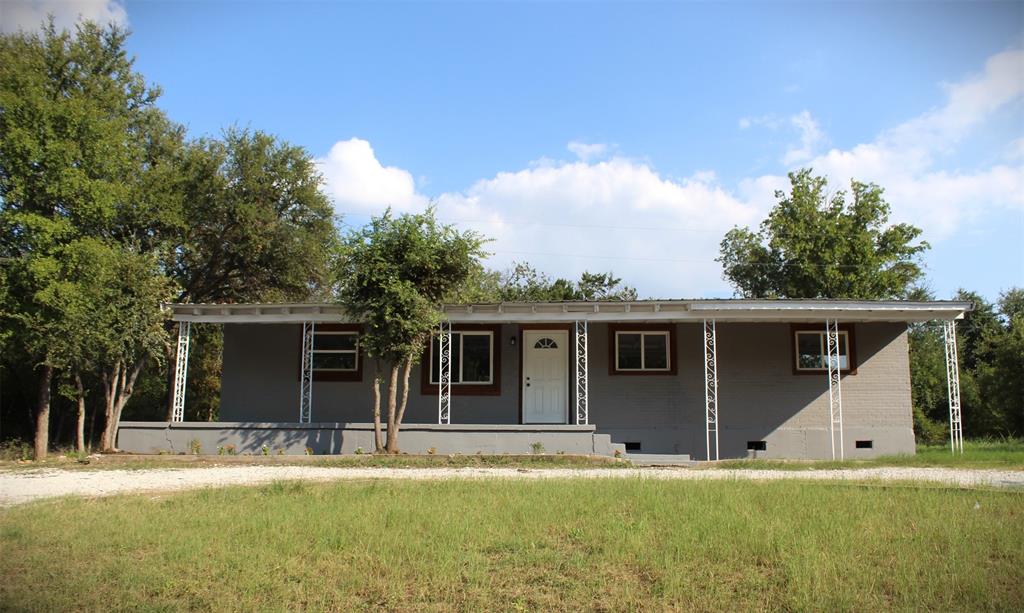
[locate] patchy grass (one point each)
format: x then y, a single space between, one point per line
510 545
148 462
1003 453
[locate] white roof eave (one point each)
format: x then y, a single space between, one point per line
638 311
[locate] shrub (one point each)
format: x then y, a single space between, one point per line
928 431
14 449
195 447
537 448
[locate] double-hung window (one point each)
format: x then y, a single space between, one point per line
336 353
642 351
812 350
472 358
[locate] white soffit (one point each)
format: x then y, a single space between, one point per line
637 311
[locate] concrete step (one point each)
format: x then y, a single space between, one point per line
660 459
603 445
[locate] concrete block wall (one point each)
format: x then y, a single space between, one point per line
760 398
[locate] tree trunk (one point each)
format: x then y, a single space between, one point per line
92 428
110 383
42 442
405 394
120 392
378 438
392 442
80 422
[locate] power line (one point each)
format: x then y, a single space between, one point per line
656 259
527 222
616 257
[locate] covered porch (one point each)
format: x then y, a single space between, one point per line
722 378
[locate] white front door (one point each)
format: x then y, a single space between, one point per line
545 376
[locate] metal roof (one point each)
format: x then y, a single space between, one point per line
636 311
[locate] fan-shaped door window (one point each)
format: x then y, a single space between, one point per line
545 343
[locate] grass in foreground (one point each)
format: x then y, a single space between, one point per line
1005 454
512 545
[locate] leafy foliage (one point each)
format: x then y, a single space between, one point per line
816 244
524 283
253 224
395 273
991 369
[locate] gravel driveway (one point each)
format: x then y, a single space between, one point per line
21 486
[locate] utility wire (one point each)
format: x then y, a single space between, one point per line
527 222
612 257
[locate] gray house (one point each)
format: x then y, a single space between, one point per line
705 378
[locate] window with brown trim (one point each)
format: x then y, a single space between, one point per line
472 356
810 349
476 362
641 349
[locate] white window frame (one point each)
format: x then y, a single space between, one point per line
457 371
643 354
326 351
823 344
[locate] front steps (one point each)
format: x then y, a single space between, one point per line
660 459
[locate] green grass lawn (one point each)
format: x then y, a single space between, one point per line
515 545
1004 453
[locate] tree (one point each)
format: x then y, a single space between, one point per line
395 273
252 225
524 283
999 369
991 362
101 311
820 245
81 146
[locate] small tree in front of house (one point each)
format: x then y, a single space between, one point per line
394 275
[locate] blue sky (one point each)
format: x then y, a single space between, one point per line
624 136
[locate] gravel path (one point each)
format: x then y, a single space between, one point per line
21 486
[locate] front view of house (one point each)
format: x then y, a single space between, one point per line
704 378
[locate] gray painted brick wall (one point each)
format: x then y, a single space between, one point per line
760 397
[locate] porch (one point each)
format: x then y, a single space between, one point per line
253 438
646 376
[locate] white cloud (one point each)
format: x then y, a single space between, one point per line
811 137
905 159
661 233
587 152
29 15
616 214
355 179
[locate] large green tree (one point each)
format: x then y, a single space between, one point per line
395 274
821 244
252 225
82 154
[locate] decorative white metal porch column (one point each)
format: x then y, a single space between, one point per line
711 388
582 377
956 432
835 391
306 379
180 372
444 376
